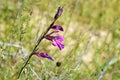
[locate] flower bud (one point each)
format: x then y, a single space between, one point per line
59 13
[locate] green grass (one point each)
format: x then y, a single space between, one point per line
91 32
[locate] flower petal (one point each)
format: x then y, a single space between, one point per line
57 43
59 38
61 46
54 43
57 27
56 38
44 55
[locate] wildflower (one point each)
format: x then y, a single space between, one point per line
56 41
59 12
44 55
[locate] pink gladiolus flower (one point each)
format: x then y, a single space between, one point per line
56 41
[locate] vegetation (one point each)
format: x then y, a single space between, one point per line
91 39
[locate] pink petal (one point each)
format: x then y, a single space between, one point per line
44 55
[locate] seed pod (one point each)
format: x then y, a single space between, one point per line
58 64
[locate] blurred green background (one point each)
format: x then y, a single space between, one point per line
91 32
